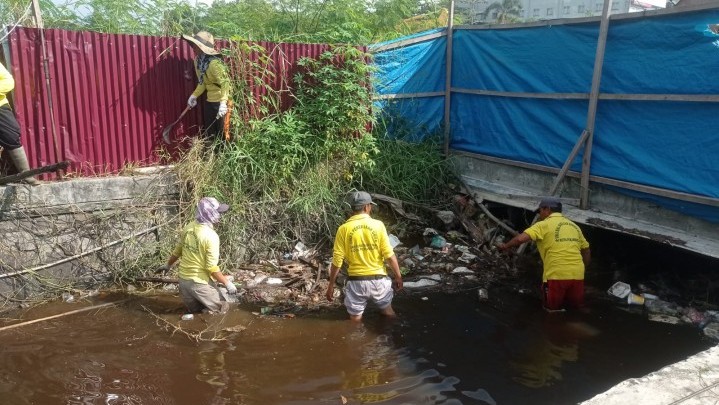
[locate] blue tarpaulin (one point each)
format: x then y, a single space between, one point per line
666 144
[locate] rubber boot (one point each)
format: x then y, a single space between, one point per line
21 165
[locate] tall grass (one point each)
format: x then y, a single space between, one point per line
285 173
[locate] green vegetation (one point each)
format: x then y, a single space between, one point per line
317 21
285 174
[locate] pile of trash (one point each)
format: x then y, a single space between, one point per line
659 310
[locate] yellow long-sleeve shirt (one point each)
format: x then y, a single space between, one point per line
7 84
216 82
199 252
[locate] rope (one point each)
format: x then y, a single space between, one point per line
27 11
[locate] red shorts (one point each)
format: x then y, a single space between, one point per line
558 294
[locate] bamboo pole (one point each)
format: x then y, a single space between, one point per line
592 110
448 79
46 69
77 256
77 311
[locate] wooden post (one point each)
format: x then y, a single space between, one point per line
593 98
38 22
448 78
568 163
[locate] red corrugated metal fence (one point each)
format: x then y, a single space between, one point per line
113 94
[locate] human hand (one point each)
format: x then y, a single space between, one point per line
330 293
397 283
162 269
231 288
222 110
192 101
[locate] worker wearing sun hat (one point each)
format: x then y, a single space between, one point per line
564 252
198 251
212 78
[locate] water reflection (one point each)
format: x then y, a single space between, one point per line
444 350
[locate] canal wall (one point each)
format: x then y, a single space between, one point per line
693 381
79 234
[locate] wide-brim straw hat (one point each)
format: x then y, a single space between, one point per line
204 40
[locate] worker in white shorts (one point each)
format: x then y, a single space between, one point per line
364 244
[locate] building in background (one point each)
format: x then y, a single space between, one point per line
508 11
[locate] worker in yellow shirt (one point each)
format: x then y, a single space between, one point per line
363 243
565 254
212 78
198 251
9 128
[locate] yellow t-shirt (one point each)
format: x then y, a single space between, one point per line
364 244
559 242
7 84
199 252
216 82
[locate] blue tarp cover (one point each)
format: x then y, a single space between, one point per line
670 145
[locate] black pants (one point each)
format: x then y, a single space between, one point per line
212 127
9 129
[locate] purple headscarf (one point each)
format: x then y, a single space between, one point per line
209 210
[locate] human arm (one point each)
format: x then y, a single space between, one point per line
220 278
397 279
586 256
7 83
166 267
515 241
334 270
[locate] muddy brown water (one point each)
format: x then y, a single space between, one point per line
444 349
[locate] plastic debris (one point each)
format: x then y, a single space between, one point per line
420 283
425 298
394 241
620 289
438 242
188 317
467 257
67 297
634 299
712 330
429 232
274 280
663 318
462 270
483 294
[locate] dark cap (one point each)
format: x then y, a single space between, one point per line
358 199
550 202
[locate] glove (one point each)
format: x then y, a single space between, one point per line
222 110
162 269
192 101
231 288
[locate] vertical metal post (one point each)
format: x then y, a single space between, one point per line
593 98
48 89
448 78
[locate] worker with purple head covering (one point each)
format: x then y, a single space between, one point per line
198 251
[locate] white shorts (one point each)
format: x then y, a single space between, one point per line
358 292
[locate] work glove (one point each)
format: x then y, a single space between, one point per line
231 288
162 269
222 110
192 101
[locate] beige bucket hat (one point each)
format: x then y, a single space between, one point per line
204 40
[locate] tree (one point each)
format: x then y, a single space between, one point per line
507 11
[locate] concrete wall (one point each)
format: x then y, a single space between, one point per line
523 187
117 220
